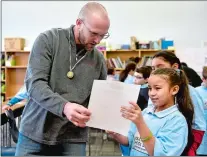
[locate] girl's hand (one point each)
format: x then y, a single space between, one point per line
132 112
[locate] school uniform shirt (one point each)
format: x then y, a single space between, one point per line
116 77
110 77
202 150
130 79
169 128
199 122
142 102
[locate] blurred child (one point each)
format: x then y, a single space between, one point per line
111 74
202 90
21 95
142 74
127 75
164 128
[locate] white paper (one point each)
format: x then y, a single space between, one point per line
105 103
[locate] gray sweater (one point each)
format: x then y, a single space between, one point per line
49 88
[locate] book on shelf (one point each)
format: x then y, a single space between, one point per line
146 61
115 63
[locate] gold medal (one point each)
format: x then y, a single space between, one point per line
70 74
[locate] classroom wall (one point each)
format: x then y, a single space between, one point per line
184 22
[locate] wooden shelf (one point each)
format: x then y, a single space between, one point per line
14 75
126 54
119 69
17 51
3 80
137 50
3 93
2 67
16 67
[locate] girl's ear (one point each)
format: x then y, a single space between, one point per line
175 66
175 89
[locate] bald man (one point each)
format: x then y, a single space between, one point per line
62 67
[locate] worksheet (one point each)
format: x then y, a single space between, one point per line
105 103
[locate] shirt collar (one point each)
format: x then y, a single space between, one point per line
144 85
163 113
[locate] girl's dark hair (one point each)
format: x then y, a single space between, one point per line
123 75
145 71
134 59
185 105
168 57
110 71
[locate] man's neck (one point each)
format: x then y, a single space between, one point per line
79 46
76 34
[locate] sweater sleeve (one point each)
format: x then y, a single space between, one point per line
38 75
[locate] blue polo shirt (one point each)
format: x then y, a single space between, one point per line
202 150
199 122
169 128
129 80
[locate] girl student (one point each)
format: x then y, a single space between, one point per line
127 75
164 128
170 60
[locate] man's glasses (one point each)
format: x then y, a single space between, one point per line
93 34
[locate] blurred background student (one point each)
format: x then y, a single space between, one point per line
141 78
202 90
193 78
111 74
127 75
20 96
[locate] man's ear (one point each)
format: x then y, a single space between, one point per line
175 66
78 23
175 89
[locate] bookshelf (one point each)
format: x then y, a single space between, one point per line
14 74
126 54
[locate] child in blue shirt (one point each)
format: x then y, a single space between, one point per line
170 60
202 90
127 75
21 95
163 129
141 78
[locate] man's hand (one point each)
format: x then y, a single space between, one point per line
77 114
